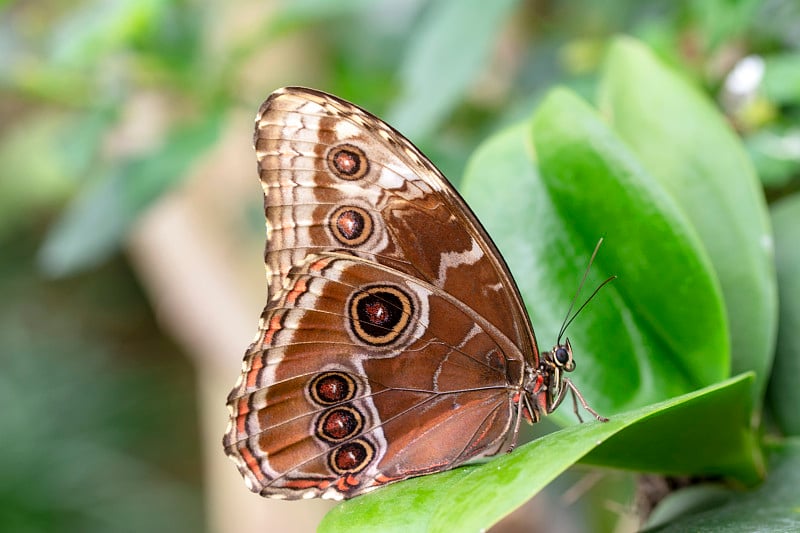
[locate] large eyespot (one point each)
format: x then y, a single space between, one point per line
380 314
351 457
339 423
330 388
348 162
350 225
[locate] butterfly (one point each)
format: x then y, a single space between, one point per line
394 342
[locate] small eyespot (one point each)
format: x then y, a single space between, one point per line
331 388
351 225
348 162
339 423
351 457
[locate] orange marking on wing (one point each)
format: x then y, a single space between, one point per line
318 265
341 485
242 410
301 484
382 479
252 464
299 288
345 483
241 419
274 326
252 374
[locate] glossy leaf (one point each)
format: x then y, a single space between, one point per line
503 186
659 330
784 393
473 498
666 282
683 141
771 507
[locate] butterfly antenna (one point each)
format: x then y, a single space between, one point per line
567 319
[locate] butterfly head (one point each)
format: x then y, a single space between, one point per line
552 367
561 356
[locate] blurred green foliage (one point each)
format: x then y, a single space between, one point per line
447 73
99 418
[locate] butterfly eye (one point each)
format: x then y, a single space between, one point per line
561 356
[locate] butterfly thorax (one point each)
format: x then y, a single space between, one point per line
545 384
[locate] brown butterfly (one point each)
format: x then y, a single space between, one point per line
394 342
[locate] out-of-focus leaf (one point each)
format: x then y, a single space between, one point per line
776 155
101 26
31 173
693 499
784 393
299 13
446 53
771 507
722 20
781 82
97 221
473 498
684 142
98 439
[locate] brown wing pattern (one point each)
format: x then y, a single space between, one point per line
391 323
336 177
325 408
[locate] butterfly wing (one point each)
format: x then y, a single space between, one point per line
403 357
337 177
355 380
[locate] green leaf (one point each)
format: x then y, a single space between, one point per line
720 21
781 82
473 498
504 188
775 154
96 222
683 141
99 27
784 393
774 506
658 331
33 163
302 13
446 52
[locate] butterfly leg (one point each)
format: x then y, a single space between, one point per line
515 433
578 397
575 406
524 409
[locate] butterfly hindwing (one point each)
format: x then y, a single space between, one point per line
355 375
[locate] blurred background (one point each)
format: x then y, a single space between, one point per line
131 223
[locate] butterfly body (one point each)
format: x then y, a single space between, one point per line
394 342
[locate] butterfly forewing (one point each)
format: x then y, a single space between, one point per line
336 177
